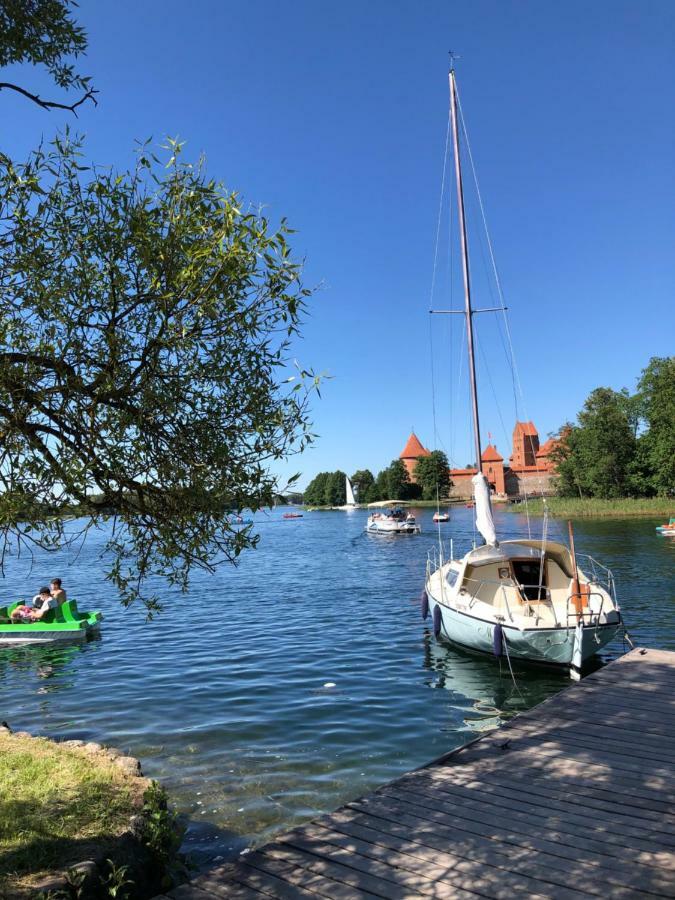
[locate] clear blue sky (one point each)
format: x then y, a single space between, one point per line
335 116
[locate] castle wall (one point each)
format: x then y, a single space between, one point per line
535 482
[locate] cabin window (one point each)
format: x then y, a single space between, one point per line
451 577
527 573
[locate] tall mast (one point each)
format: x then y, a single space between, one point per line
465 269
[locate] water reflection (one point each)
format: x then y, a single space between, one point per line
482 688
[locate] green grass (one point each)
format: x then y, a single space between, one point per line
56 804
570 507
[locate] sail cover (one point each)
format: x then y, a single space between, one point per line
351 501
484 522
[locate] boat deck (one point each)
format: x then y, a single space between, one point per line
573 799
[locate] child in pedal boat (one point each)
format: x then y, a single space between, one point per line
47 598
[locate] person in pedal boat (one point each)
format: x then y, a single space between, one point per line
42 602
57 591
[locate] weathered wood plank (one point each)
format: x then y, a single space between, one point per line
521 802
490 826
553 871
221 889
347 869
319 884
503 792
442 868
639 851
466 841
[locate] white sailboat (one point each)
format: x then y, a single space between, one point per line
524 599
349 494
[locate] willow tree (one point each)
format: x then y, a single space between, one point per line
43 33
145 324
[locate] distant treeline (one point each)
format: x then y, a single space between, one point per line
623 444
432 478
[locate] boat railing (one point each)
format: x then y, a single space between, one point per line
587 616
598 574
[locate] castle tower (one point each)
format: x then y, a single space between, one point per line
525 445
411 453
493 468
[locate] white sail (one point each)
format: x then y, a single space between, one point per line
351 500
484 522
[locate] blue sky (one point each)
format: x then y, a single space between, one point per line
335 116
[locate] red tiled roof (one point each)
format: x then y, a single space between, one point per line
490 454
460 472
526 428
414 449
547 447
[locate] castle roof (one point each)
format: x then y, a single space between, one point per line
526 428
547 447
414 449
490 454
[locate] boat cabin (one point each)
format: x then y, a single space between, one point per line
516 578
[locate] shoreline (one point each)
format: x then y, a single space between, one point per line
625 508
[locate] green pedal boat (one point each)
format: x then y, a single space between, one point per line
65 623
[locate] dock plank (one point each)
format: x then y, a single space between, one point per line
574 798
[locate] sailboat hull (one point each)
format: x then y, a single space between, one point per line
543 646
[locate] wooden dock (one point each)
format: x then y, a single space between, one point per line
573 799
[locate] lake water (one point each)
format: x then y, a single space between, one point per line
303 677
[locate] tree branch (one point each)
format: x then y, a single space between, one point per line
52 104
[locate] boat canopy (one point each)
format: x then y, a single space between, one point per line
522 549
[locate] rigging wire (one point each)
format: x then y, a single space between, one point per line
433 275
515 375
431 304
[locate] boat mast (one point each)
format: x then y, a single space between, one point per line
465 269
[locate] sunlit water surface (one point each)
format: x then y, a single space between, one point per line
303 677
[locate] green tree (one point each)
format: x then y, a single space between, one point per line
362 480
335 493
397 481
596 456
432 474
379 489
316 490
44 33
145 321
657 405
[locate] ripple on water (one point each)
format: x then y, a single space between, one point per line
224 696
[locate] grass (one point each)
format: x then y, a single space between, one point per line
571 507
57 806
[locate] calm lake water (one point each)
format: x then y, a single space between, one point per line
227 697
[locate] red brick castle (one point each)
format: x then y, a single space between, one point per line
529 470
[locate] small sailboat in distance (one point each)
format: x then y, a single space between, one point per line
525 599
349 493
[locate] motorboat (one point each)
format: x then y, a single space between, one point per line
522 599
292 516
394 522
65 623
441 517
